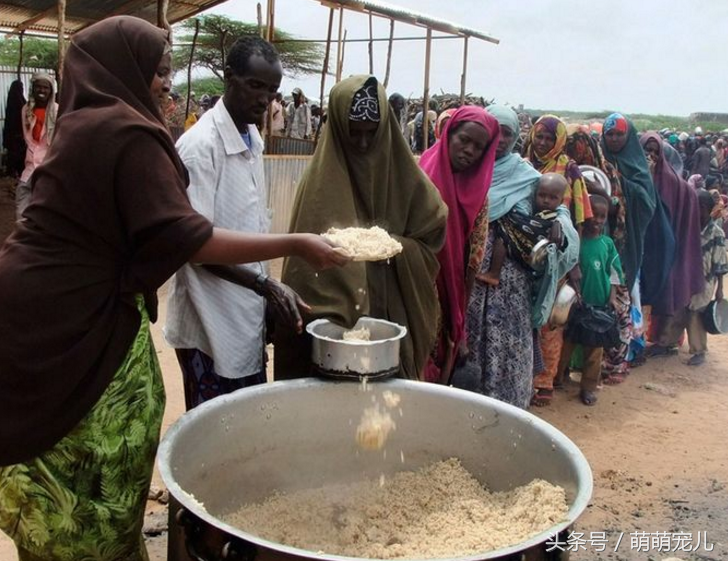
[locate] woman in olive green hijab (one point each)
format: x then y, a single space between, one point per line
363 174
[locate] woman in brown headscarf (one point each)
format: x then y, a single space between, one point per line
363 174
109 221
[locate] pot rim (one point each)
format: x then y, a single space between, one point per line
402 331
579 505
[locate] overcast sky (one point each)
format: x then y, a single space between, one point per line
636 56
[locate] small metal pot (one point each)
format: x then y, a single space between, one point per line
540 253
376 358
565 298
595 174
715 317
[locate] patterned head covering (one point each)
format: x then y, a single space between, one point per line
555 126
616 121
365 105
558 161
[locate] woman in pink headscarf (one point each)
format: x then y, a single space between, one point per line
460 165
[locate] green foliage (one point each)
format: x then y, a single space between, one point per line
37 53
217 35
211 86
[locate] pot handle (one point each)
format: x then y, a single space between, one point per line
198 537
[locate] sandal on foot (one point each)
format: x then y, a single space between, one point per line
587 397
542 397
696 360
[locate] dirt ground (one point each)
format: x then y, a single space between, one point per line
656 445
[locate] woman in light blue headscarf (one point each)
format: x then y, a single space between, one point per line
499 318
514 179
500 335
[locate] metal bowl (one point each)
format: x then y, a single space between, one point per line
376 358
539 254
565 298
293 435
715 317
595 174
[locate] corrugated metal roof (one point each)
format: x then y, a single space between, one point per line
414 18
42 15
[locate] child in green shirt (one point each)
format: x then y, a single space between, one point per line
601 272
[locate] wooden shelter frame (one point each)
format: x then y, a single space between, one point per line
374 8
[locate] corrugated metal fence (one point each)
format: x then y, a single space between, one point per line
282 174
281 145
8 74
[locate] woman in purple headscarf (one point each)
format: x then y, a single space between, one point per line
669 307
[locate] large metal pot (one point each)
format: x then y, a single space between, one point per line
299 434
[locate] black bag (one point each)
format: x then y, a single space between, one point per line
466 377
593 326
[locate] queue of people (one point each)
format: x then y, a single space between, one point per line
82 399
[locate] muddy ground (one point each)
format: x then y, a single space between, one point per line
656 444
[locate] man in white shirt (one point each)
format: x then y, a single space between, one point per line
216 314
299 116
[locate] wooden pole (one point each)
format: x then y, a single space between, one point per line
261 30
389 53
371 45
189 67
223 52
339 45
271 20
20 53
464 77
426 96
343 52
270 37
162 6
61 42
327 54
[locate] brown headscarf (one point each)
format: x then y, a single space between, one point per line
383 187
109 218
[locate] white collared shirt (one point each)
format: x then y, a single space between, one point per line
227 186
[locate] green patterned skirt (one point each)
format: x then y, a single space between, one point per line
84 499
